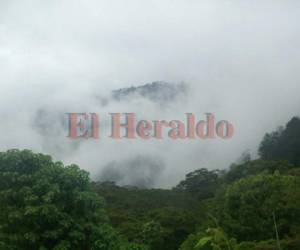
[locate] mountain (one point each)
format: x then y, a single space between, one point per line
158 91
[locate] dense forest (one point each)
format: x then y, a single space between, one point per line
252 205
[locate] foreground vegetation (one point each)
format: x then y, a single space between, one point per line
253 205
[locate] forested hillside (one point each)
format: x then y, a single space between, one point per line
254 204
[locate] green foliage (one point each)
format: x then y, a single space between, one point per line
239 171
212 239
216 239
151 235
191 241
135 246
206 244
286 244
248 205
45 205
283 143
201 183
177 224
130 209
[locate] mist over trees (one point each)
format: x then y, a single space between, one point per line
166 62
255 204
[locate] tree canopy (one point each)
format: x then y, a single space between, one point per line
46 205
284 143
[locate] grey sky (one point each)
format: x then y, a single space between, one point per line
240 58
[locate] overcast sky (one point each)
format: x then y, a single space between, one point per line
240 59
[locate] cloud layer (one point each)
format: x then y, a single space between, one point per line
240 60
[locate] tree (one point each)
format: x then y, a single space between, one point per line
239 171
151 235
176 225
201 182
212 239
246 211
283 143
46 205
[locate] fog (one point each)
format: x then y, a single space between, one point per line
238 60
